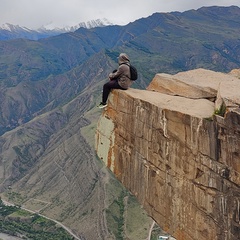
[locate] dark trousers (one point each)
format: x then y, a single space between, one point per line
112 84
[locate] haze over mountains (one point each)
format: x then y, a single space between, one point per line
49 89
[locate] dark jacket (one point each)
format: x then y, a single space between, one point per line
123 72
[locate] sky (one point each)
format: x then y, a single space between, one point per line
34 14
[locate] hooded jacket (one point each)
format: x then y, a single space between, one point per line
123 72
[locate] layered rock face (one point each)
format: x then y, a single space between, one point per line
176 147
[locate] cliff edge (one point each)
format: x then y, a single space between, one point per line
176 147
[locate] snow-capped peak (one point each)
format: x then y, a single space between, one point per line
88 24
13 28
10 31
95 23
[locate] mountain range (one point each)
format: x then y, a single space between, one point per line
49 89
10 31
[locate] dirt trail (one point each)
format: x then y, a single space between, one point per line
150 231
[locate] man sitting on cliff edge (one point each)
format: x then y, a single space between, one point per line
119 79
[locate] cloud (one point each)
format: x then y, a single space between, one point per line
36 13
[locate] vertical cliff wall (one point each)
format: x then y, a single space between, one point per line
181 161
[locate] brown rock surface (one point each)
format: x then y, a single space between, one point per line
229 94
198 83
235 72
180 160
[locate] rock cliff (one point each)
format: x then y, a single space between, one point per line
176 147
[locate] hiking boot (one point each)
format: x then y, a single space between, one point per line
102 105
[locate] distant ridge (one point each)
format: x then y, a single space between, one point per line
9 31
89 24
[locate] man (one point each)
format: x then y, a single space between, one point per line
119 79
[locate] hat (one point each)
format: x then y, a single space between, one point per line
124 57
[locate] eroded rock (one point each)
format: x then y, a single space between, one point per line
177 156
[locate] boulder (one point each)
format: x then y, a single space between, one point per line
196 84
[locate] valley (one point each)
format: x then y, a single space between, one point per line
49 90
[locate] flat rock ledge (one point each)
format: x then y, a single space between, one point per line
200 108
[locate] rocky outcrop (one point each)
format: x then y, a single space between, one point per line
176 147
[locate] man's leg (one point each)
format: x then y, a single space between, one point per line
113 84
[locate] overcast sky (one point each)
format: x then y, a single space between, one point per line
36 13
